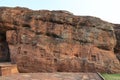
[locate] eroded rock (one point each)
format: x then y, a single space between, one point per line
117 47
50 41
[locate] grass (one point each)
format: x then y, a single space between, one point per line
111 76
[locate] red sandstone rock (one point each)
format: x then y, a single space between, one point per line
117 47
50 41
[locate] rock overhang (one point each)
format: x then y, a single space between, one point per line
51 33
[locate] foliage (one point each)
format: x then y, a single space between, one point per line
111 76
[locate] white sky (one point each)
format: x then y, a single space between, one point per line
107 10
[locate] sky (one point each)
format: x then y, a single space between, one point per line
107 10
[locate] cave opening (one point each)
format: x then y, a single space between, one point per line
4 49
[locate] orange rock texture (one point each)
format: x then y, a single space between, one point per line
58 41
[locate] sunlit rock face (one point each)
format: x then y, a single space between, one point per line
51 41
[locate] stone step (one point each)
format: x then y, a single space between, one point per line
6 68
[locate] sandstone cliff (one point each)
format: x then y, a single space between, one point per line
117 47
50 41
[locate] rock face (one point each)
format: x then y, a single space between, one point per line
117 33
51 41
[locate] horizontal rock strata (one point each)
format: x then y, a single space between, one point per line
51 41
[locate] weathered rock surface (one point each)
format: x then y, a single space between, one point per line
50 41
117 47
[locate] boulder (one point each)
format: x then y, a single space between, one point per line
58 41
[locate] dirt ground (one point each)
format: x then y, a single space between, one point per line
52 76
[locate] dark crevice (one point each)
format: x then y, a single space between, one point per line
4 49
58 70
103 47
53 35
81 41
55 60
49 34
26 25
76 55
